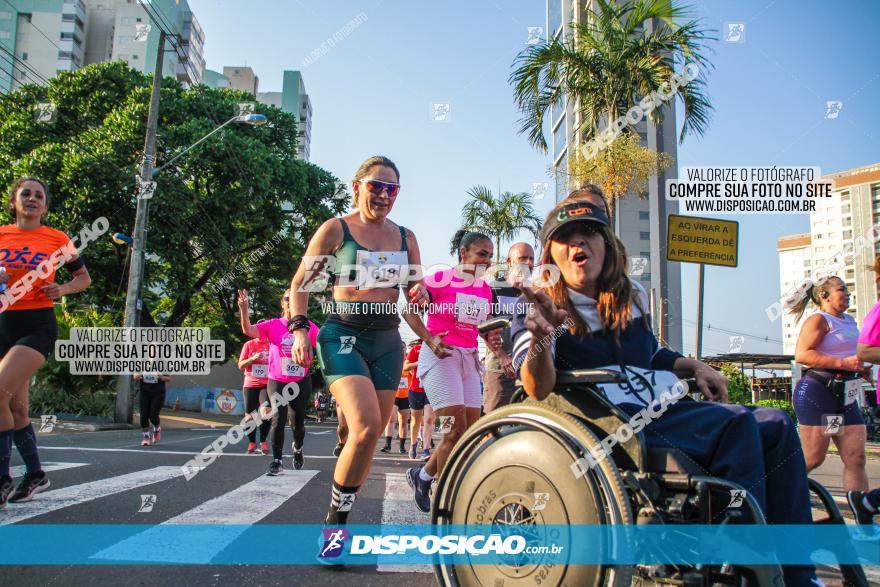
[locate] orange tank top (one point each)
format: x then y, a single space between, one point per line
23 251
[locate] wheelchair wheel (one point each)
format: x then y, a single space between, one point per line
514 467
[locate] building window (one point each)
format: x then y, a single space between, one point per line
645 277
558 109
645 236
559 138
644 215
134 56
875 192
807 263
847 234
846 207
24 55
554 7
844 197
645 255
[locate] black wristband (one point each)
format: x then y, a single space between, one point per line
298 323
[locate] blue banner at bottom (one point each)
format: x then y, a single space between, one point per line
500 545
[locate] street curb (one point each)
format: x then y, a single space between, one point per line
93 427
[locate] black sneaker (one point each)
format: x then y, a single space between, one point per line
30 484
338 449
276 468
421 489
386 448
6 487
863 515
298 459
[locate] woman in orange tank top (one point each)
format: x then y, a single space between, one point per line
29 254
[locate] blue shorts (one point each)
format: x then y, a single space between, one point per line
417 399
813 401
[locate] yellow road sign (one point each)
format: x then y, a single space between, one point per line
692 239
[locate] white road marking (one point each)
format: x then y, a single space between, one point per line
241 507
57 499
399 508
19 470
149 450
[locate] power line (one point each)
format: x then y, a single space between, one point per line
709 327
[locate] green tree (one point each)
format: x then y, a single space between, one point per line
501 218
738 386
234 212
622 52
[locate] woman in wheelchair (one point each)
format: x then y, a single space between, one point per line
594 316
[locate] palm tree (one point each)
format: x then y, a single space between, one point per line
500 218
610 63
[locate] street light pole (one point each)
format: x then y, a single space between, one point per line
133 305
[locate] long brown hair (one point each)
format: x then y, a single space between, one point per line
616 292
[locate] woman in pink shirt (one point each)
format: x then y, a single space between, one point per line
254 361
283 372
449 366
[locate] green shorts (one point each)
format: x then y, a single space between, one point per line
349 350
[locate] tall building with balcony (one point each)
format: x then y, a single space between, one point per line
123 29
292 98
844 240
39 38
640 224
795 265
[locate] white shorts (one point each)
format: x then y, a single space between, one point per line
453 381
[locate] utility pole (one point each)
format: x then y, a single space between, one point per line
133 303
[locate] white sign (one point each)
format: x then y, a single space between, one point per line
141 32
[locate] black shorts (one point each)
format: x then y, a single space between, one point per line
418 399
37 329
402 403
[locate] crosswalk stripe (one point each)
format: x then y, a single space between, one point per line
236 508
153 451
57 499
48 467
399 508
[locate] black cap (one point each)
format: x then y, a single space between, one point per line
575 212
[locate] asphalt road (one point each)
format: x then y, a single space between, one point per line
100 478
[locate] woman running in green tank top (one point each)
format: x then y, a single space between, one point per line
367 258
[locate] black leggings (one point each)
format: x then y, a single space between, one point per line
252 397
297 416
151 405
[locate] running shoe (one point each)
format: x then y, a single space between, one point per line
421 489
276 468
264 446
30 484
6 487
157 435
386 448
147 439
252 448
412 452
863 515
337 450
402 450
298 459
426 454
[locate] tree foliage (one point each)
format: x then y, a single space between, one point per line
623 167
619 53
242 191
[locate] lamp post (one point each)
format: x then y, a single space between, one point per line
133 303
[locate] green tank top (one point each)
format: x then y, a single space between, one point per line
347 253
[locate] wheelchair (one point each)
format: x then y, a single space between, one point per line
528 447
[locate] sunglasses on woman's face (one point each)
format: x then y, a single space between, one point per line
285 299
585 229
376 187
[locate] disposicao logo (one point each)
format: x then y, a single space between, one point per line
334 542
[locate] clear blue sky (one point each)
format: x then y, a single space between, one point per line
372 93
